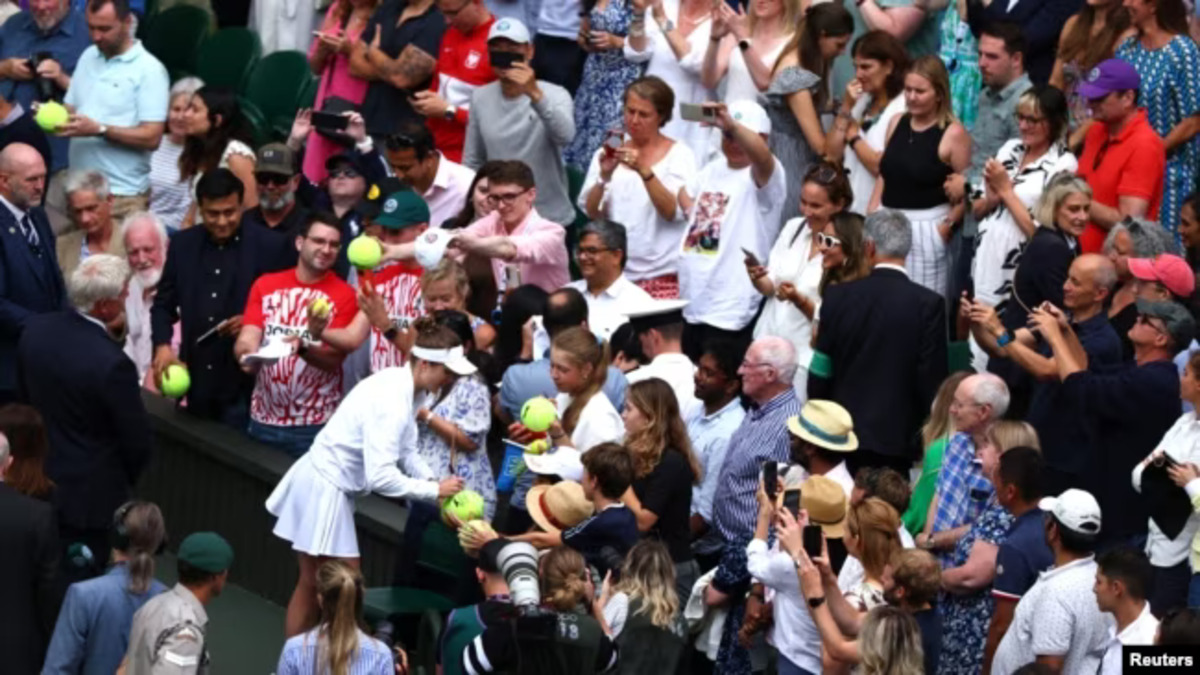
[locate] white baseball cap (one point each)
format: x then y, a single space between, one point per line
750 115
509 29
1076 509
565 462
430 247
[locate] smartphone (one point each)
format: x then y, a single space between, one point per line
504 60
512 276
330 121
696 112
812 540
749 256
316 33
791 501
770 474
613 140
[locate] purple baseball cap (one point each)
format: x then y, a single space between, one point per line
1111 75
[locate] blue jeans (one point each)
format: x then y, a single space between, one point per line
295 441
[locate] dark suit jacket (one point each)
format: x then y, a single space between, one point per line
29 581
88 392
1041 22
178 299
886 338
30 284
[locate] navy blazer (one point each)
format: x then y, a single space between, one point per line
1041 22
88 393
29 580
30 283
885 336
217 381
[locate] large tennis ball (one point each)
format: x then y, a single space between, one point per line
51 115
538 414
175 381
364 253
467 505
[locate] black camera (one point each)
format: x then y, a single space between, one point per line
45 88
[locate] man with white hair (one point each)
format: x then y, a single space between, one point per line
734 206
89 208
74 372
963 487
766 373
145 240
881 350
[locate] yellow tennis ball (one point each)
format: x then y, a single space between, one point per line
467 505
175 381
538 446
321 307
364 253
51 115
538 414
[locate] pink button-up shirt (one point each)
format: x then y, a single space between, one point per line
541 250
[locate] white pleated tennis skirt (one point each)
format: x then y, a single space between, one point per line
928 262
313 514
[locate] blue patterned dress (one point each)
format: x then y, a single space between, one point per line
1170 93
965 618
960 52
469 406
598 101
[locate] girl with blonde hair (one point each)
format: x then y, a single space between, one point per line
338 645
643 603
578 365
890 643
447 286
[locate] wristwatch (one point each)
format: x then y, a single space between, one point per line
102 130
1005 339
667 26
816 602
450 112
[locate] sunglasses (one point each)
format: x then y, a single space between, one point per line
344 173
823 174
272 178
827 241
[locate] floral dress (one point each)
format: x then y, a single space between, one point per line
965 618
469 406
599 100
960 52
787 141
1170 94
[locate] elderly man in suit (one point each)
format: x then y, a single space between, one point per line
78 377
204 286
881 350
30 282
28 575
89 206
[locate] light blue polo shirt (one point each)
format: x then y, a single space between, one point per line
123 91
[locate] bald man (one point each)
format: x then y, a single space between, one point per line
30 282
1091 279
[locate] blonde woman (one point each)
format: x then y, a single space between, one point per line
924 147
890 643
934 435
448 287
578 366
745 45
642 601
337 645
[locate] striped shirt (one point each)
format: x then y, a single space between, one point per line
299 656
962 490
762 435
170 196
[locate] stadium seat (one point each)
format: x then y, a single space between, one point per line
258 124
174 37
277 86
440 555
227 58
429 636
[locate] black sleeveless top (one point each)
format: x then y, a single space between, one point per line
913 174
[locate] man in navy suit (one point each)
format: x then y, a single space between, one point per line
881 350
30 282
78 377
204 286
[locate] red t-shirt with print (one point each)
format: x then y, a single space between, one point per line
462 65
291 392
400 287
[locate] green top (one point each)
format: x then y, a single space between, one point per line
923 42
922 494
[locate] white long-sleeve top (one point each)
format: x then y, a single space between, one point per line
793 633
1182 444
371 437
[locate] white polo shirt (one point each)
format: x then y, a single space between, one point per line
605 307
678 371
1142 631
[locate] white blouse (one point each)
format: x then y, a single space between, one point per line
790 262
599 422
1182 444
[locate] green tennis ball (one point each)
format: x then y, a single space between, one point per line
467 505
538 446
364 253
175 381
51 115
538 414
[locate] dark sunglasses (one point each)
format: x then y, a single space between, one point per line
344 173
271 178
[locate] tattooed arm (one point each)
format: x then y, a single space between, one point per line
411 70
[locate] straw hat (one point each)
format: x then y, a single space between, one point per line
825 424
825 501
558 507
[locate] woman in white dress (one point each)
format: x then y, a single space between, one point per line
370 445
1013 182
744 45
672 46
792 276
637 184
218 136
872 99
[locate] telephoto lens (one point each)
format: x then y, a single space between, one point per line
518 562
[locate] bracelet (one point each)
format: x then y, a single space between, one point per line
646 178
1005 340
854 139
714 38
